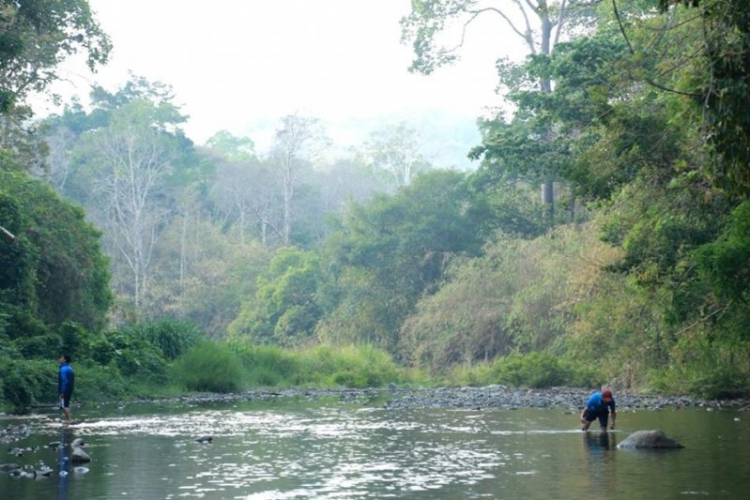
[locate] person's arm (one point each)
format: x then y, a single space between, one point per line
584 421
614 415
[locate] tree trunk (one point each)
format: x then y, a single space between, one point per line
548 200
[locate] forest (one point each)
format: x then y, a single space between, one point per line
603 238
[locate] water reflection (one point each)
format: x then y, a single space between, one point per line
63 462
600 449
598 443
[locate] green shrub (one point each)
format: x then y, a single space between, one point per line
25 382
475 375
99 382
130 353
45 346
536 370
266 366
209 367
75 340
716 382
143 362
361 366
319 366
532 370
173 337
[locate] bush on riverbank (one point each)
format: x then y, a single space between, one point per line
25 382
321 366
209 367
712 374
536 370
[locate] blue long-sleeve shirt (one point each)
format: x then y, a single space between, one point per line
66 379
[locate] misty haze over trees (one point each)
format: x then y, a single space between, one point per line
602 237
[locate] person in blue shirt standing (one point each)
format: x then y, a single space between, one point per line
65 382
599 405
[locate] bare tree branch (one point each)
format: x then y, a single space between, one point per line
632 52
560 22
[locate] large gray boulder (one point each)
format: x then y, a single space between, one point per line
649 440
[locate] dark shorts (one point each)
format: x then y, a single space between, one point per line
602 415
65 400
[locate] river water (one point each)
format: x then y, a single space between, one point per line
293 448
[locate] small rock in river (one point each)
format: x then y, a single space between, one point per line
79 456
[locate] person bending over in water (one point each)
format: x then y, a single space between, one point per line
599 405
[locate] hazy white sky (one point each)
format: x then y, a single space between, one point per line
241 65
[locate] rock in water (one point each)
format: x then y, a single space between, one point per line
79 456
649 440
9 467
204 439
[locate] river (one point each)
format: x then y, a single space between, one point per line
293 448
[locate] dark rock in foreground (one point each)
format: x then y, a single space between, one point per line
649 440
79 456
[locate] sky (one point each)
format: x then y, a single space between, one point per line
241 65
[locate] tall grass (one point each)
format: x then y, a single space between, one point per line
209 367
322 366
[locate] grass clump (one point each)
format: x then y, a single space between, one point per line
209 367
321 366
349 366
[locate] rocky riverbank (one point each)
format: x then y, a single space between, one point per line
474 398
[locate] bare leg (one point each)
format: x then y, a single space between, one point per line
67 414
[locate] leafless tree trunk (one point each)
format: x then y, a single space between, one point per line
136 159
296 144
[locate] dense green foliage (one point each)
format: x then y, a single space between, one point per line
36 36
54 270
537 370
209 367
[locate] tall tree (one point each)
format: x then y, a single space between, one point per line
35 37
719 85
539 24
296 144
247 193
129 160
395 149
233 147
